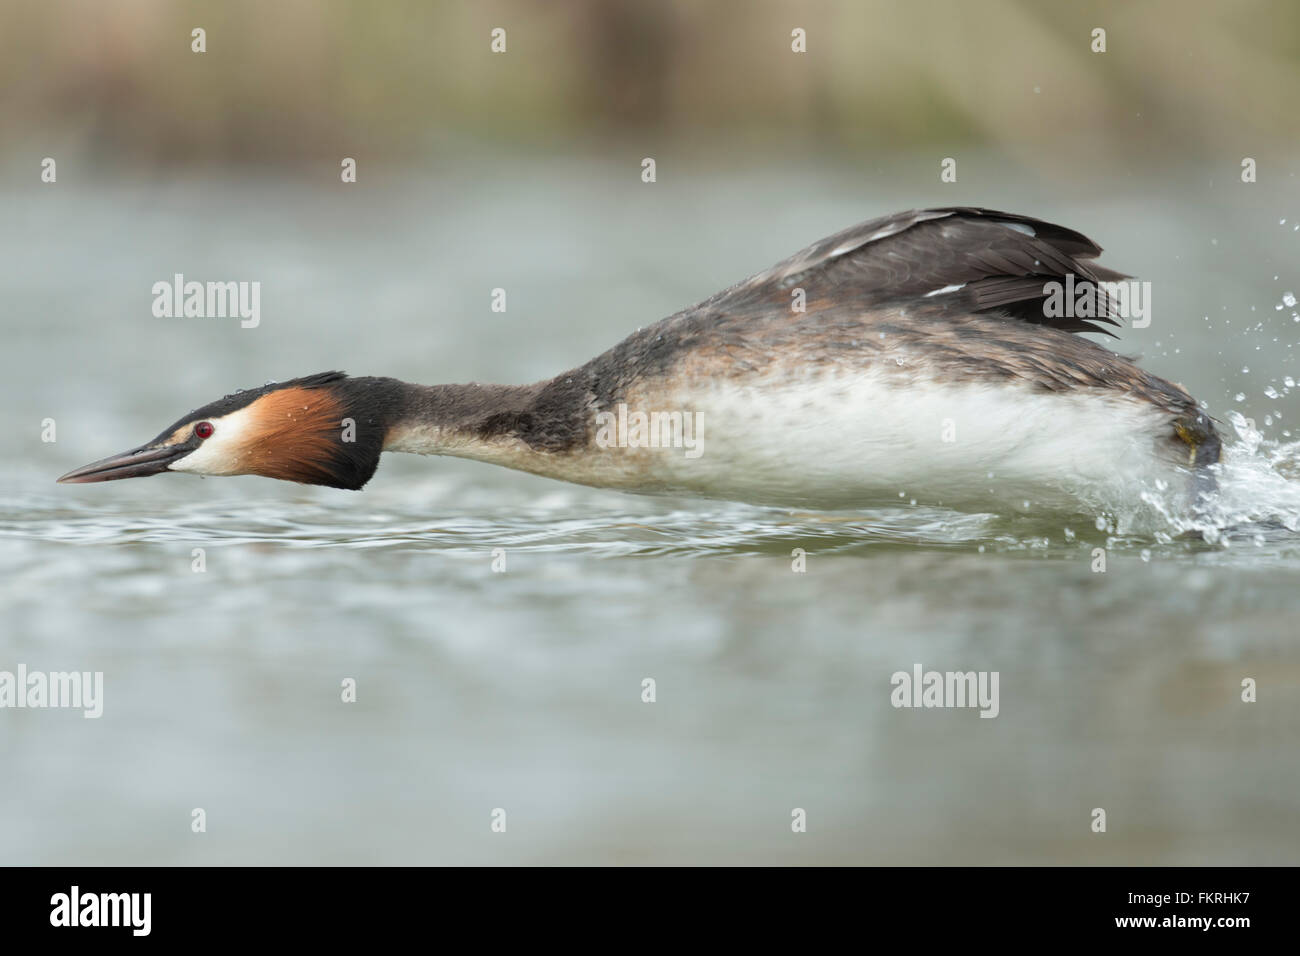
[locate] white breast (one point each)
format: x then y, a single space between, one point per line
846 440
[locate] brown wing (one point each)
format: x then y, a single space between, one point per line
977 259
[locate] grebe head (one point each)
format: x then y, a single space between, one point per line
315 430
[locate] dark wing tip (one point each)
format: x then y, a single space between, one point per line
1007 272
1001 261
1070 241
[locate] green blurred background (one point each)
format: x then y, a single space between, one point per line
299 82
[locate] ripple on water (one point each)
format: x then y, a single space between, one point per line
1255 516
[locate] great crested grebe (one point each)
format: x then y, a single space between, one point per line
907 356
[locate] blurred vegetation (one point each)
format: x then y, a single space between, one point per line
295 80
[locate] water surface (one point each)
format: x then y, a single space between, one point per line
521 689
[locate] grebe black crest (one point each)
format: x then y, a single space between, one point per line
910 355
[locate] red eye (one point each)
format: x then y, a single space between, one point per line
204 429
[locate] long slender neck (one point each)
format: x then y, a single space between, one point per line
520 426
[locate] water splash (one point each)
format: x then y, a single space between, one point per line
1258 495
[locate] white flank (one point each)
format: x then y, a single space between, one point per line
850 442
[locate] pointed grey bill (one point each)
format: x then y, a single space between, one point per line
137 463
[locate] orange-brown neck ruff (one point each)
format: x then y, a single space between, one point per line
298 434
